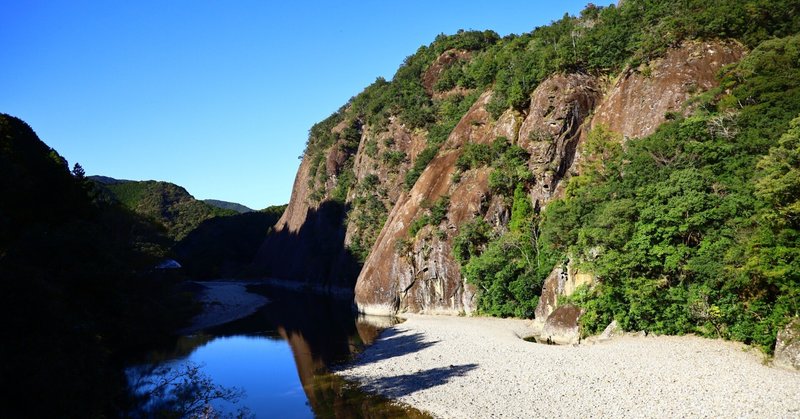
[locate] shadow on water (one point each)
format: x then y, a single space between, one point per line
321 332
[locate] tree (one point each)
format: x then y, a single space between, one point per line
78 172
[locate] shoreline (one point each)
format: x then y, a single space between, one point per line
223 302
227 300
480 367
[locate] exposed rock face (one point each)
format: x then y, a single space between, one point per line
562 327
611 331
419 273
559 283
640 99
787 346
553 128
307 243
310 243
548 301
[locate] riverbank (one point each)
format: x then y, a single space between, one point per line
456 367
223 302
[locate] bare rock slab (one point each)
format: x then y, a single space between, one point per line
787 346
561 326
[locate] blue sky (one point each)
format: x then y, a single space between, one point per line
215 96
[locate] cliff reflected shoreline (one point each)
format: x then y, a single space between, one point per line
312 332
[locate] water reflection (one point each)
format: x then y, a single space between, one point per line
281 357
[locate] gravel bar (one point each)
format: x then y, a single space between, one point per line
457 367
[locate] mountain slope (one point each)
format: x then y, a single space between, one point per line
79 298
447 185
166 203
233 206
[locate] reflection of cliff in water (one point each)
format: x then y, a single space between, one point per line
321 331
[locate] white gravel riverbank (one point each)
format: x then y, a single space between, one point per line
223 302
455 367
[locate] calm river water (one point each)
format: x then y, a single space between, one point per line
281 357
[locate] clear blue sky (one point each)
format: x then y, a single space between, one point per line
215 96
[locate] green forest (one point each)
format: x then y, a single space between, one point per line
690 230
80 293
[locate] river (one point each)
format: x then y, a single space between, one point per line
281 358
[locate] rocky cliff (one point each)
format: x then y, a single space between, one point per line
354 222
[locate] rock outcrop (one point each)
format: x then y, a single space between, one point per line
553 128
641 98
561 282
317 236
787 346
307 243
562 327
420 273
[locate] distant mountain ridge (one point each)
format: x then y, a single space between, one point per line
167 203
241 209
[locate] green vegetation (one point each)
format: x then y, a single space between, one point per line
368 216
508 267
605 39
228 205
450 112
164 203
694 229
433 215
80 297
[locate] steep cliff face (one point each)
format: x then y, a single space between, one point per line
641 99
554 127
307 243
408 265
418 272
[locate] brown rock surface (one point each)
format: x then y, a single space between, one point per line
639 100
554 127
787 346
561 326
548 301
419 273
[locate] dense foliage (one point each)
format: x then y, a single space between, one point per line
694 228
508 266
79 294
228 205
165 203
603 40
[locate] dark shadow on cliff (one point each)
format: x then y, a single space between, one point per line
403 385
314 254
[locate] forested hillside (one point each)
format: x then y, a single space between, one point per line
79 293
165 203
488 163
